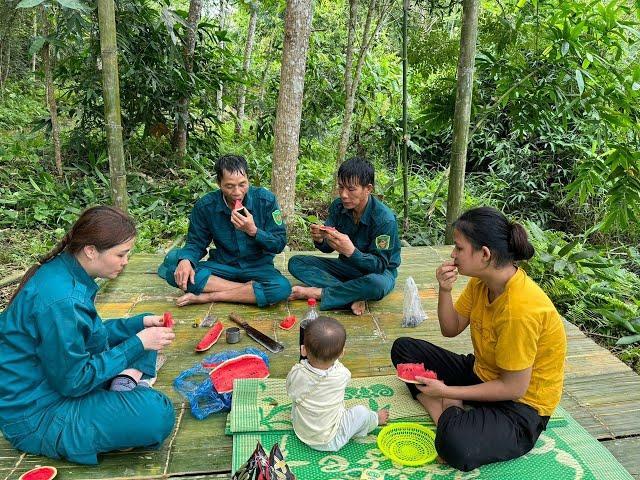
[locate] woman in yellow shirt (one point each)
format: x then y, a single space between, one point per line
514 376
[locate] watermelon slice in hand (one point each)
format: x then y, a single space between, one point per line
39 473
288 322
238 206
167 320
407 372
210 337
243 366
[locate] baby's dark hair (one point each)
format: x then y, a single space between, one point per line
324 339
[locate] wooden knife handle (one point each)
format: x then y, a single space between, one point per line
235 318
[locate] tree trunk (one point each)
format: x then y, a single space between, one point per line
195 10
248 48
51 93
220 91
353 82
297 28
111 97
461 118
405 115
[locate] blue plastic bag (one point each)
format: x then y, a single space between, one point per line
195 385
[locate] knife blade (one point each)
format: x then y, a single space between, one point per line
264 340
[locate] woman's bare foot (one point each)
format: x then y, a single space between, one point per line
300 292
190 298
359 307
383 416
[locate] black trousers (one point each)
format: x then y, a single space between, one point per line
489 432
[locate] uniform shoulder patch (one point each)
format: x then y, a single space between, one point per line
277 217
383 242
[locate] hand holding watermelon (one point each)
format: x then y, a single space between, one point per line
242 219
239 208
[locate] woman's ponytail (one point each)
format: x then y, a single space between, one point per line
519 243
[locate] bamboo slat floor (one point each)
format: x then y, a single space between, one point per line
601 392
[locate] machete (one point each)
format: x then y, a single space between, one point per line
267 342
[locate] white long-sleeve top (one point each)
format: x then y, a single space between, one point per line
317 400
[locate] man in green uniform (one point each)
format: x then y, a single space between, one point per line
246 227
364 232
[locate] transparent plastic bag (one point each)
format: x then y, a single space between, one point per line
413 314
195 385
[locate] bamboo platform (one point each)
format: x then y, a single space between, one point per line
601 392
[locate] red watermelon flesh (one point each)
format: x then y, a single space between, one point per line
243 366
409 371
237 204
288 322
210 337
167 319
39 473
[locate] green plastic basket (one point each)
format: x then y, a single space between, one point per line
408 444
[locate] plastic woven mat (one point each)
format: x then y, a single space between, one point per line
263 405
565 452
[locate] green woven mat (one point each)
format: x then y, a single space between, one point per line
561 453
263 405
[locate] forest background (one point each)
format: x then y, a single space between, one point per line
554 136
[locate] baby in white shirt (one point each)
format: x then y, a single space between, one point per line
316 387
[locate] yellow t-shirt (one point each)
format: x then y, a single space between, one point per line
519 329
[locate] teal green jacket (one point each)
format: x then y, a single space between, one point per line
54 345
375 236
210 221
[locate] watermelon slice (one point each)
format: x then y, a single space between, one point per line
238 206
40 473
407 372
210 337
167 319
243 366
288 322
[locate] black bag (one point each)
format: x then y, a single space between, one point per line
261 467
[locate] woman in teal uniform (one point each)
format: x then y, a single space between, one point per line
73 386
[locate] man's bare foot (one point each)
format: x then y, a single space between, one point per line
359 307
383 416
300 292
190 298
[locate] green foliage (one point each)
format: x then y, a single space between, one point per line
153 76
556 109
21 104
592 287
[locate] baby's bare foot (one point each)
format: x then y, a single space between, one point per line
383 416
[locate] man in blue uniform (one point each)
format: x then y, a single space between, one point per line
246 227
364 232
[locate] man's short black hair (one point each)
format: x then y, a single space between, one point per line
231 164
356 171
324 339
